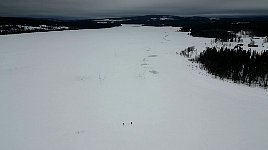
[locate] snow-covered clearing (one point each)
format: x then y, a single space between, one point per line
73 90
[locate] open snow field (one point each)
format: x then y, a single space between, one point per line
73 90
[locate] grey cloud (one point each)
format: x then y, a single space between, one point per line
107 8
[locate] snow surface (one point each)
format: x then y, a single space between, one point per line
73 90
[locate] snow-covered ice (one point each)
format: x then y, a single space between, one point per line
73 90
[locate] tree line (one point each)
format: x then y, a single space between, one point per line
241 66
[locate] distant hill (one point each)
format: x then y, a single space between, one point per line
222 28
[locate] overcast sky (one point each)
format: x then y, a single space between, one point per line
117 8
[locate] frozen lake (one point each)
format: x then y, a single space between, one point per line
73 90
